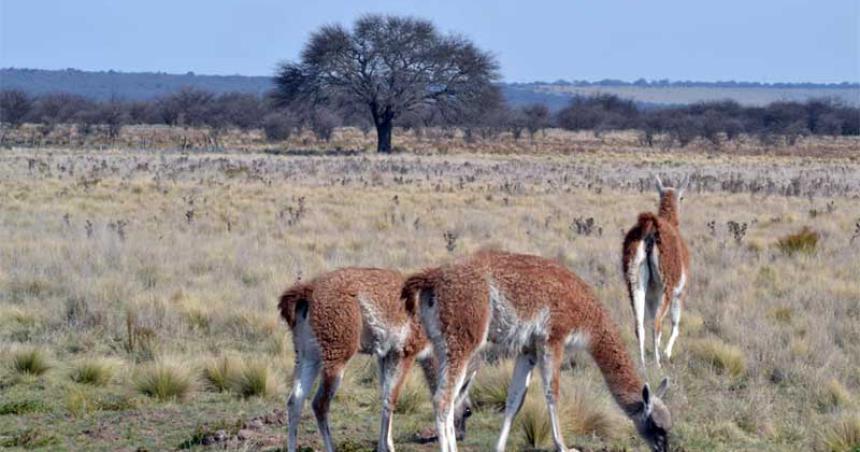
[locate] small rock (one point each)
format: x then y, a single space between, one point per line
245 434
221 436
777 376
255 424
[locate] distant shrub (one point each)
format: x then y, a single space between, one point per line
164 381
804 241
725 358
279 126
30 361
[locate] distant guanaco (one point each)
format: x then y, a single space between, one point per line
656 266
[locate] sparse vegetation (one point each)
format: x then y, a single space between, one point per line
754 369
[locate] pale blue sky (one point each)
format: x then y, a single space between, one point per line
750 40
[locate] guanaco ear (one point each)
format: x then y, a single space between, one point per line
646 399
659 184
682 187
664 386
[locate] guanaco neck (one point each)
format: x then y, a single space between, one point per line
621 376
669 207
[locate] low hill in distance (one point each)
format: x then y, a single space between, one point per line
147 85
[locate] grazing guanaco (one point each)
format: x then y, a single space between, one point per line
656 265
342 313
536 309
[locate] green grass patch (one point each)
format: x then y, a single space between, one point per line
18 407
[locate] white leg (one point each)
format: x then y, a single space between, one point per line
389 374
549 374
639 312
516 394
303 378
657 337
322 401
450 431
676 321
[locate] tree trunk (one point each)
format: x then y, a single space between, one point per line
383 136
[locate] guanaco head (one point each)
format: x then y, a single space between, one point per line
671 197
676 192
652 419
461 413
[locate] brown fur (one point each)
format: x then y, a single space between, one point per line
529 284
663 232
291 298
341 327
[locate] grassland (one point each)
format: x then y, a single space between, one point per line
137 289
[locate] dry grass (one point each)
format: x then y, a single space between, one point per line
218 373
254 379
724 358
93 371
165 381
490 389
139 255
843 435
804 241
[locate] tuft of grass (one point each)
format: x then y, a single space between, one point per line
533 422
842 436
93 371
833 396
165 381
725 358
584 416
804 241
413 395
80 402
782 314
218 373
30 361
254 379
490 390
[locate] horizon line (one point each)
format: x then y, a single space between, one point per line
663 80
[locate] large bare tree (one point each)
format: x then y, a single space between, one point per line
390 66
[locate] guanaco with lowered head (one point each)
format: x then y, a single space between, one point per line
537 309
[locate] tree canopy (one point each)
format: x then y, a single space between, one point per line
390 66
